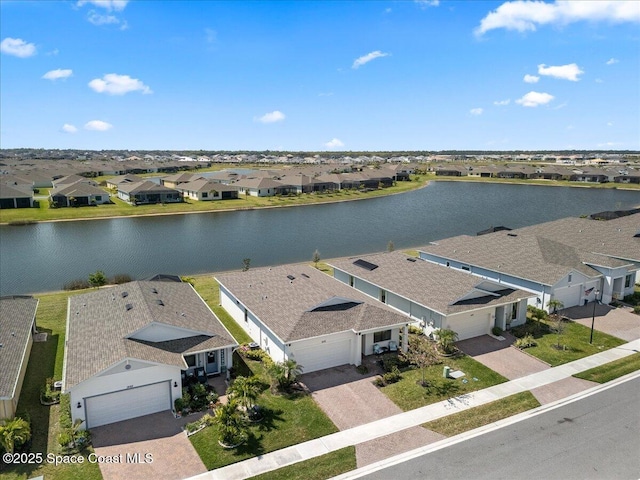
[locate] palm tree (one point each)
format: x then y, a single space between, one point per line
246 390
446 339
230 423
285 373
14 433
555 305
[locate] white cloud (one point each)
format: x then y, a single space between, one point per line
68 128
502 103
564 72
99 19
271 117
98 126
334 143
609 124
109 5
358 62
476 111
210 35
57 74
533 99
114 84
525 15
387 10
427 3
599 80
17 47
530 78
611 61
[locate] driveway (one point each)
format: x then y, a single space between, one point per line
619 322
159 436
501 357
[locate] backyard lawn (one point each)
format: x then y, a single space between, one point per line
408 394
612 370
574 342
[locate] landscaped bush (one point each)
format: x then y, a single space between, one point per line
526 342
633 299
77 284
391 362
393 376
497 331
65 411
415 330
636 309
48 395
531 327
257 354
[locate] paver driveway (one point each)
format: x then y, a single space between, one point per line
159 435
501 357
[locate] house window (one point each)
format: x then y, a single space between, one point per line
448 264
211 357
466 268
204 194
383 296
191 360
98 198
382 336
569 279
351 280
627 281
514 311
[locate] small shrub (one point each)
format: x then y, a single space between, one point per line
65 411
212 398
362 369
415 330
193 426
207 420
391 362
526 342
497 331
178 404
379 382
636 309
393 376
121 278
77 284
97 279
65 438
256 354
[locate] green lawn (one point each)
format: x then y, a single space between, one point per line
554 183
483 415
408 394
319 468
46 361
612 370
123 209
289 420
574 343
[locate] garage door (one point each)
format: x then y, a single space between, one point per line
126 404
470 327
324 355
569 296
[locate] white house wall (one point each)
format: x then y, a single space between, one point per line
367 348
99 385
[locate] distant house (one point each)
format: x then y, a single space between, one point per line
453 171
205 190
16 196
589 175
78 194
115 182
172 181
260 187
17 326
627 178
130 347
71 179
148 192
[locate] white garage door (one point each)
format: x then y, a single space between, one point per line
126 404
324 355
569 296
470 327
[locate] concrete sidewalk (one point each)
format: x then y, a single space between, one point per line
412 418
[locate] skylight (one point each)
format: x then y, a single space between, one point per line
366 265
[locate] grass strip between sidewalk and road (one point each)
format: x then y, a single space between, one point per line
612 370
483 415
318 468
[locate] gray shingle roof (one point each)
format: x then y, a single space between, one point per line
17 315
436 287
205 185
100 322
15 191
146 186
285 305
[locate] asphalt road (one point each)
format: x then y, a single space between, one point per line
597 437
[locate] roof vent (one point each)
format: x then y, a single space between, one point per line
160 302
124 294
512 234
411 259
291 277
305 275
154 290
128 306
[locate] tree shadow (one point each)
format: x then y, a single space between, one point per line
252 446
443 388
269 419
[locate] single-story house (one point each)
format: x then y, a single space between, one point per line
16 196
434 296
147 192
204 189
129 348
260 187
453 171
172 181
571 260
115 182
17 326
78 193
70 180
297 312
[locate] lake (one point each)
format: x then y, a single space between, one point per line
44 256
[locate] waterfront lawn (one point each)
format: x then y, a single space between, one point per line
207 288
574 342
46 361
408 394
612 370
483 415
538 181
289 420
318 468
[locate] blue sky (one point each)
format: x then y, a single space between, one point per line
303 75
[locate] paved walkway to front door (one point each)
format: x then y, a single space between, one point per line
157 437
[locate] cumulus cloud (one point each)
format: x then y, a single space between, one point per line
114 84
564 72
611 61
358 62
17 47
98 126
530 78
533 99
109 5
271 117
68 128
525 15
334 143
476 111
502 103
427 3
99 19
57 74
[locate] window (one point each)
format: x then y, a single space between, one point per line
351 280
383 296
204 195
448 264
382 336
514 311
627 281
191 360
98 198
570 275
466 268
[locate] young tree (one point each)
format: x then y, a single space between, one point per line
246 390
246 264
422 353
230 423
316 257
14 433
556 318
390 246
97 279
